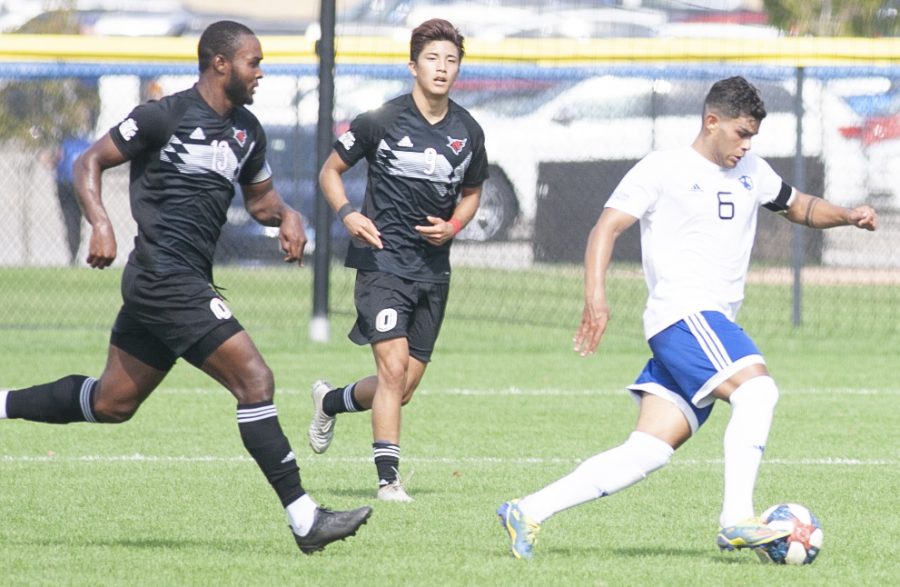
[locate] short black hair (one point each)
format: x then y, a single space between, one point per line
735 97
220 38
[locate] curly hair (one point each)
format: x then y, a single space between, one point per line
435 29
735 97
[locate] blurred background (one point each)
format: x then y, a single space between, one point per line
570 94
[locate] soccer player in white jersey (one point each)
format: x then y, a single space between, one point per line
697 208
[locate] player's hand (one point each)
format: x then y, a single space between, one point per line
594 319
439 232
102 247
864 217
362 229
292 237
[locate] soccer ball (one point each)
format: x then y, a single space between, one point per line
802 545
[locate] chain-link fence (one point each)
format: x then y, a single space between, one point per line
559 140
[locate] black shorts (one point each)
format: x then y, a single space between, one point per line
388 307
164 317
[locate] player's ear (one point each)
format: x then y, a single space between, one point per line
220 63
412 68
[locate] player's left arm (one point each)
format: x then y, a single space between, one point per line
266 206
817 212
440 230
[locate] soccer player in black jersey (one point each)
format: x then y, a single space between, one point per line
187 151
427 163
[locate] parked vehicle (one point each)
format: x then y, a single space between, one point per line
623 118
878 136
291 154
499 19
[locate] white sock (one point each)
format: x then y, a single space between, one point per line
302 514
3 395
600 475
752 407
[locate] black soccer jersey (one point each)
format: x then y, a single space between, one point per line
416 169
185 160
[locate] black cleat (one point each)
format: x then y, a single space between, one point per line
331 526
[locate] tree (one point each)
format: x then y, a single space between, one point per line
41 112
835 18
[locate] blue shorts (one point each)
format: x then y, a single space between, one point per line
691 358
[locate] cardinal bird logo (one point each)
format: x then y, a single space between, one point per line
456 145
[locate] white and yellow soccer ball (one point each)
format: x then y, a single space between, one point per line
802 545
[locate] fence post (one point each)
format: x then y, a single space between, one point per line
319 327
798 241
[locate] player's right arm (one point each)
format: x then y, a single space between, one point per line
87 171
359 226
597 257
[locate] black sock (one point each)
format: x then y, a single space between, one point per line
69 399
269 447
341 400
387 461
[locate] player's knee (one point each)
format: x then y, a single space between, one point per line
761 391
623 466
257 385
393 375
114 412
407 396
649 452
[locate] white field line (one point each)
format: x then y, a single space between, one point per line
512 391
141 458
541 392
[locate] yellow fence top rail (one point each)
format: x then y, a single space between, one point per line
297 49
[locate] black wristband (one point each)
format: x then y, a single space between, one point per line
345 210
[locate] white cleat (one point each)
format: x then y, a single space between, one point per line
394 491
321 429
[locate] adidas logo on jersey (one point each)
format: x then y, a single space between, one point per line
696 188
198 134
405 142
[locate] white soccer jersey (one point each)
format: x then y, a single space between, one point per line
698 223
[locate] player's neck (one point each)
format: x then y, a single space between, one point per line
704 150
433 108
214 97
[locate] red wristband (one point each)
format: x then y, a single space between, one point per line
456 224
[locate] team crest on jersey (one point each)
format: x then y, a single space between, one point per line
240 136
128 129
456 145
746 181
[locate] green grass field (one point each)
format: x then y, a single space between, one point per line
172 498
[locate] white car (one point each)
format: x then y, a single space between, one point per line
499 19
613 118
878 135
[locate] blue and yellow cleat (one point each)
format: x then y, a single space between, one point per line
522 530
750 533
